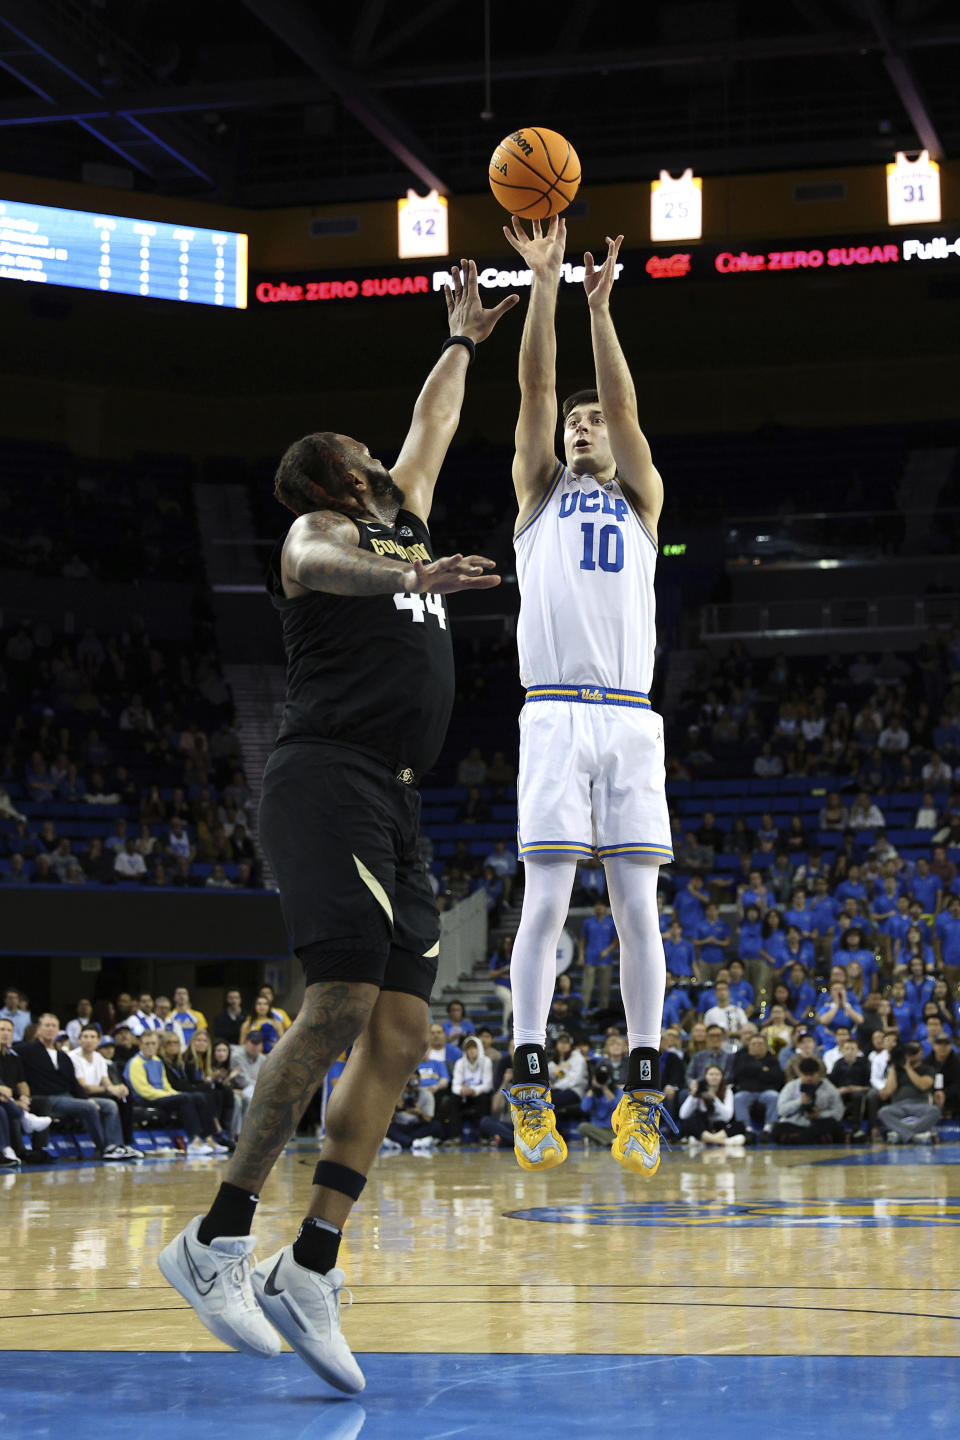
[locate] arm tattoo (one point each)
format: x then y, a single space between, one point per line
322 553
330 1021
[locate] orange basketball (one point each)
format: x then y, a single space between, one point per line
534 173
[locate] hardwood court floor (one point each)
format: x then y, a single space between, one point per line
779 1253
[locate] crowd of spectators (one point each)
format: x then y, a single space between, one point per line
883 723
145 1063
119 763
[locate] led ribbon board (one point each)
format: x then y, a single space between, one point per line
86 250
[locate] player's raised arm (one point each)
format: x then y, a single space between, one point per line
436 414
535 459
321 552
618 398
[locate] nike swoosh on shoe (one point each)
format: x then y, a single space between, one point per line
203 1283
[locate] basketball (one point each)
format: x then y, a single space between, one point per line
534 173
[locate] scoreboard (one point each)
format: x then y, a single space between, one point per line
43 245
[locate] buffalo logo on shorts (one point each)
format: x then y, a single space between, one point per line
405 776
405 530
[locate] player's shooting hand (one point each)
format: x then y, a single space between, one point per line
598 279
453 572
543 253
465 308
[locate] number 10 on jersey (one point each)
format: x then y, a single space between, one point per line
605 550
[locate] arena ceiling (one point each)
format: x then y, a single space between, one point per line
261 102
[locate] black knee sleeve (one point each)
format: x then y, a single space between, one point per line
339 1177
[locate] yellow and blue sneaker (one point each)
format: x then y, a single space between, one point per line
636 1128
537 1143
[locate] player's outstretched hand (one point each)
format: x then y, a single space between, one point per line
454 572
543 253
598 279
465 308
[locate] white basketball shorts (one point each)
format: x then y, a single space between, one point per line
591 778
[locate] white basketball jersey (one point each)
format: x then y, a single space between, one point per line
586 564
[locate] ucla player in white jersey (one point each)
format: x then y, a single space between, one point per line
591 749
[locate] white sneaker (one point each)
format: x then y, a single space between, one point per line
390 1147
736 1141
893 1138
305 1308
424 1145
133 1153
114 1152
215 1280
217 1148
199 1147
10 1154
34 1124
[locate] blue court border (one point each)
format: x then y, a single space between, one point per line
473 1397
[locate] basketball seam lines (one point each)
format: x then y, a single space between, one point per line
544 193
559 173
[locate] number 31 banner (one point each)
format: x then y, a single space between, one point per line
913 190
422 225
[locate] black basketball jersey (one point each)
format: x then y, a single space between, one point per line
373 671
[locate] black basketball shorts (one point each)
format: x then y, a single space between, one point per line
341 835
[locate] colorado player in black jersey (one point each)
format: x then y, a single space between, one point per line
369 693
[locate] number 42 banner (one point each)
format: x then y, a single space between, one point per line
422 225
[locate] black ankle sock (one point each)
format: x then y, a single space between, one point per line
317 1245
643 1070
231 1213
530 1066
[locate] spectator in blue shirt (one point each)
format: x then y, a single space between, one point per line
911 945
838 1008
947 1008
800 914
742 992
711 938
457 1026
853 887
503 860
591 882
598 941
919 986
679 953
824 908
11 1011
755 893
795 950
930 1028
441 1053
690 903
750 934
772 949
947 932
915 911
676 1004
499 969
884 908
854 948
926 886
802 994
902 1010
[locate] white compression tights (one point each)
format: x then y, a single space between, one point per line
633 901
533 964
546 900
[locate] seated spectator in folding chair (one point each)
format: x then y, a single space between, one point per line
93 1074
946 1078
757 1080
179 1075
224 1072
598 1105
57 1091
84 1016
148 1082
270 1027
907 1109
809 1109
471 1089
414 1125
851 1075
16 1117
197 1063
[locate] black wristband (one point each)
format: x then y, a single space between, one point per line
460 340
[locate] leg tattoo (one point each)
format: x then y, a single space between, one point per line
332 1017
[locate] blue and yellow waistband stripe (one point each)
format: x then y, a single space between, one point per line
590 695
556 847
656 852
554 481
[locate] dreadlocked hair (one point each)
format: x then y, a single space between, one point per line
312 475
579 397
